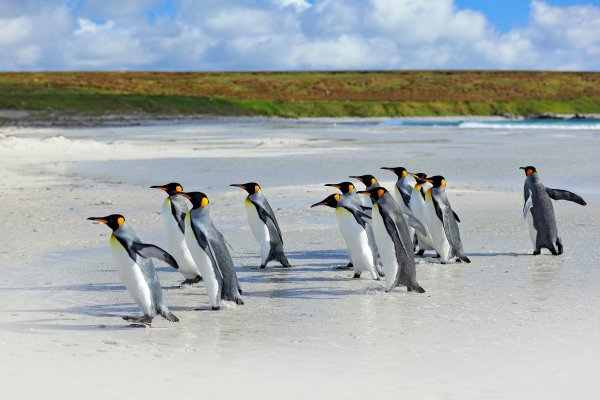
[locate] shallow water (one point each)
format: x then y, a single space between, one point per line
509 325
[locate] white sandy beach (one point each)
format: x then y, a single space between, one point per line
507 326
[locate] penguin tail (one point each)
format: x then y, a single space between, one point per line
465 259
168 315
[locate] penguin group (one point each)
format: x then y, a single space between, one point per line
383 235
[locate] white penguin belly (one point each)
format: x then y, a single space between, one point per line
357 242
532 230
175 243
387 250
132 277
259 230
436 228
204 264
417 206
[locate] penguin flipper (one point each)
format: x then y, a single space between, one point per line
559 194
152 251
455 216
394 232
415 223
265 212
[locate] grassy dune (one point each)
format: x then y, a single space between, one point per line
301 94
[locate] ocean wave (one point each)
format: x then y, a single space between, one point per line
533 124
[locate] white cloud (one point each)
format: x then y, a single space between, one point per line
289 34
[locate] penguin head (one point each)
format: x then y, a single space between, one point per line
345 187
198 199
528 170
400 172
375 193
250 187
437 181
114 221
331 201
420 177
172 188
368 180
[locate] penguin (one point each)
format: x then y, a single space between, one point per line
539 211
371 182
172 214
350 219
136 269
349 191
402 193
417 207
207 247
264 225
442 222
393 241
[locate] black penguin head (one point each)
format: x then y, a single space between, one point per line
368 180
172 188
528 170
198 199
250 187
400 172
437 181
420 177
345 187
375 193
331 201
114 221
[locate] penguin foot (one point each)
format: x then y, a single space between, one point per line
345 267
239 301
420 253
560 246
191 281
144 321
356 276
217 308
436 256
263 266
536 252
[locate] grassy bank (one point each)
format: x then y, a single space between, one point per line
302 94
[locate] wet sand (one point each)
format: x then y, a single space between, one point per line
509 325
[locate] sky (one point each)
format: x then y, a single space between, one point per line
267 35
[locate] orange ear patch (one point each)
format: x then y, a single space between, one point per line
337 197
443 182
373 181
380 193
204 202
404 173
256 188
121 221
179 189
350 187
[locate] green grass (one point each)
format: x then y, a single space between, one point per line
302 94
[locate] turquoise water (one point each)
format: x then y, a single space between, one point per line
575 123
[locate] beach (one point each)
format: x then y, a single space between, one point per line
508 325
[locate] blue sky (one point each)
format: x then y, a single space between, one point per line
215 35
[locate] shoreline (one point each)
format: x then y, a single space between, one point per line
33 119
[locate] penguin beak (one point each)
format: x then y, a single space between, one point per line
159 187
523 168
415 176
364 192
321 203
187 196
335 185
98 219
238 185
388 168
357 177
428 180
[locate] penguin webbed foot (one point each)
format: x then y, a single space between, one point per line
536 252
356 276
191 281
137 322
239 301
263 266
420 253
559 246
215 308
345 267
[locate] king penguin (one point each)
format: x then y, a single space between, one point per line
207 247
349 191
442 222
264 225
172 214
393 241
417 207
402 193
539 212
136 269
350 219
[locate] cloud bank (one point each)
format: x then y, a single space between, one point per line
213 35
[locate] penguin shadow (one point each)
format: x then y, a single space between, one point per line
116 311
90 287
499 254
304 293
